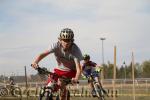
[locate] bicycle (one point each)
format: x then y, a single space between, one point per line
97 87
47 92
10 90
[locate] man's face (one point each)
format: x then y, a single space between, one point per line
66 43
86 60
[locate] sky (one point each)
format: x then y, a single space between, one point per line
28 27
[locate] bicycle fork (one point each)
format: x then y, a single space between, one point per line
47 93
98 89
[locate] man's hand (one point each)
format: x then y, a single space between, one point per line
83 76
74 80
99 69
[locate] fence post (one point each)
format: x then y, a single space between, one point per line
146 86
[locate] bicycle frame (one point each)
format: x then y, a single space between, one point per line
97 87
48 91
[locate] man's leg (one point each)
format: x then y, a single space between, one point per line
63 90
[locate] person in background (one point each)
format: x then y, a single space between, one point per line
89 67
11 85
11 81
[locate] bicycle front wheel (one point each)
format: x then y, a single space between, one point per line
16 91
45 95
67 96
49 96
98 91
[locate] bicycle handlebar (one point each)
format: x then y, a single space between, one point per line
44 71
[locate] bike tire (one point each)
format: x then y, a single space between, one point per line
41 94
98 91
17 91
4 91
49 96
45 95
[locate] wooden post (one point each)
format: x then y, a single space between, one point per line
146 86
133 78
114 73
102 75
26 78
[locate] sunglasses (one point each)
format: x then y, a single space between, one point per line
67 40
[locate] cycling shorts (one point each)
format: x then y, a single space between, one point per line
68 74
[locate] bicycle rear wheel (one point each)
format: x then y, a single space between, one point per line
4 91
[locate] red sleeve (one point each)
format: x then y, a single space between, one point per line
93 64
83 66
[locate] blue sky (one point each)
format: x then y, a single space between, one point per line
28 27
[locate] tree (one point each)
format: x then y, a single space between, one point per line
146 69
138 70
121 73
110 71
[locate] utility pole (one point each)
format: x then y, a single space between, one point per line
114 74
102 39
125 72
26 77
102 72
133 77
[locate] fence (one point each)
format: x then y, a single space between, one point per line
123 88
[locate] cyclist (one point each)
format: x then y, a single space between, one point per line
11 85
88 68
68 56
11 81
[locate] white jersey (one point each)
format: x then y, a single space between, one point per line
65 59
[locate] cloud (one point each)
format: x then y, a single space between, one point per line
29 27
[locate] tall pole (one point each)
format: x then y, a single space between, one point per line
114 74
102 72
26 77
102 49
125 72
133 77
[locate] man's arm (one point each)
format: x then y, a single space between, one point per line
78 69
39 58
99 68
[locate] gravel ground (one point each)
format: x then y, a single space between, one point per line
72 98
80 98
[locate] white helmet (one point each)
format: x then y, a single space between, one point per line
66 33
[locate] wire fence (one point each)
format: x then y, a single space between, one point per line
123 88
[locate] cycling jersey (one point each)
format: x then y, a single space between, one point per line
65 59
88 67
